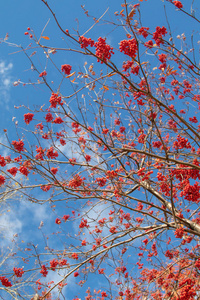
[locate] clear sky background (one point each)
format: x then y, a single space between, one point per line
15 17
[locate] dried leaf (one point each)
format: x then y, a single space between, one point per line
111 74
33 53
173 72
53 51
131 14
6 37
45 37
70 75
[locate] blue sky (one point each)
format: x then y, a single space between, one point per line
15 17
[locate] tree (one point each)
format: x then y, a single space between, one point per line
117 162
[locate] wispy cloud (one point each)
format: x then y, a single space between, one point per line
5 82
10 225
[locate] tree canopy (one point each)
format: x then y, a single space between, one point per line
110 155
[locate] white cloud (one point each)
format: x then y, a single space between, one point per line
38 212
4 69
5 81
10 225
15 220
4 151
57 277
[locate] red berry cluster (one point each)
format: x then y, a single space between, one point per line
158 35
27 33
28 118
129 47
18 272
85 42
103 51
55 100
178 4
66 69
19 146
5 281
